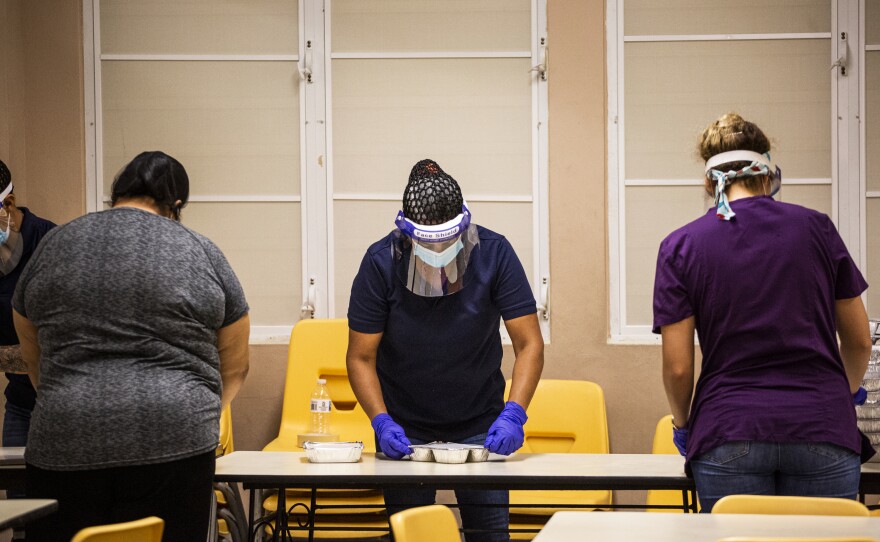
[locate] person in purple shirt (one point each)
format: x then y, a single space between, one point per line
424 349
767 286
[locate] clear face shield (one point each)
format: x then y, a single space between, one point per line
10 238
759 164
435 264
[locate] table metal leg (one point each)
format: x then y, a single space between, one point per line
314 503
252 519
281 516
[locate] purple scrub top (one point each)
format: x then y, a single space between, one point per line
762 290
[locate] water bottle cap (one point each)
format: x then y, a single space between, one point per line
322 381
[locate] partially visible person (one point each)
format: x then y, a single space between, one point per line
424 351
143 336
20 233
768 286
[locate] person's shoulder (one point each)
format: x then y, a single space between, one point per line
189 236
694 228
383 245
798 214
70 227
39 222
490 237
798 210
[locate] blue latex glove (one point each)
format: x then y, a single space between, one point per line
392 439
506 433
679 438
860 396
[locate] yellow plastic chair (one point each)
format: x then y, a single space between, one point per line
788 505
434 523
799 539
663 445
231 521
141 530
565 416
317 350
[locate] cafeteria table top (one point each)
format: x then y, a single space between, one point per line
638 526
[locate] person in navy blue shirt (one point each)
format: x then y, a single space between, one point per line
20 233
424 353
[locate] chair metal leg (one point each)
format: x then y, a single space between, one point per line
212 519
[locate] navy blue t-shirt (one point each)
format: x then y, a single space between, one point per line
439 360
19 391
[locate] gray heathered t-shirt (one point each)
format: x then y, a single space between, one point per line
127 305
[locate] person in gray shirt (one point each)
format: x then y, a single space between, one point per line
135 331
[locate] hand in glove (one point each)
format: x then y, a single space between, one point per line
679 438
860 396
506 433
392 439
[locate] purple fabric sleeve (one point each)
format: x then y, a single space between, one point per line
671 300
849 281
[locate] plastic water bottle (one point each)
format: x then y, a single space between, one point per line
320 406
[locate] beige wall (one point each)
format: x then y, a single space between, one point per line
54 132
50 64
41 101
12 147
630 375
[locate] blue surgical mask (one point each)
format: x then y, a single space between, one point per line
4 235
438 259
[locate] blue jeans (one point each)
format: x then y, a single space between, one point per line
16 423
472 517
770 468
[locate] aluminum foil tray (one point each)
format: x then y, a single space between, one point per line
333 452
449 452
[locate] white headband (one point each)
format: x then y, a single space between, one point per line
739 156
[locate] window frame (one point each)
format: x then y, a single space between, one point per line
848 199
317 196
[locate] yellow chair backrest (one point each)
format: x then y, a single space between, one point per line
566 416
663 437
798 539
433 523
786 505
141 530
225 445
662 444
317 350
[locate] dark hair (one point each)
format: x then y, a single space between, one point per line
731 132
5 176
431 196
154 175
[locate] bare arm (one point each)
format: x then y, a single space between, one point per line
528 346
678 368
30 348
855 339
232 345
360 361
11 360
